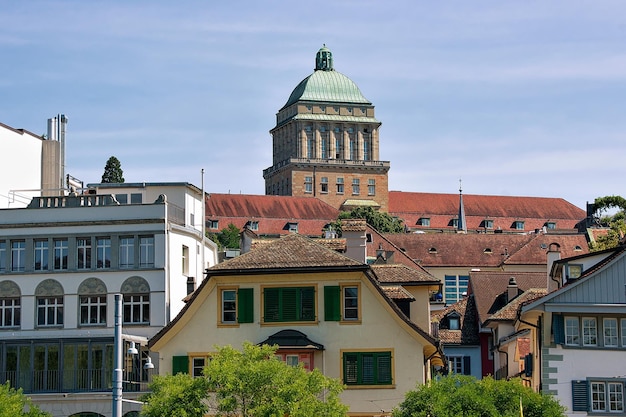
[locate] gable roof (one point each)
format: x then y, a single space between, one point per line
489 289
503 210
468 334
402 274
272 212
510 310
293 251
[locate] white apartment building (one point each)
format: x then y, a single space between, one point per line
63 259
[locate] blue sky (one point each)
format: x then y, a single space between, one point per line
514 98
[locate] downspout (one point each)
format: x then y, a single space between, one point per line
538 345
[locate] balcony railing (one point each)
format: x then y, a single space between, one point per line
79 380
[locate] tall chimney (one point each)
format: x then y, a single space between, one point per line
511 290
353 230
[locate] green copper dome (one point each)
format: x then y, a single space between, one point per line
326 84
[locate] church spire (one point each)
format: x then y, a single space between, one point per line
324 59
461 226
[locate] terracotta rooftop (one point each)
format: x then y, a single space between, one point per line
292 251
440 209
484 250
396 292
402 274
489 288
468 334
509 311
272 213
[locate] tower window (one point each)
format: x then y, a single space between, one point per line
371 186
324 185
356 186
308 184
340 185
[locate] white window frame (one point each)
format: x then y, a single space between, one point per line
350 295
572 331
103 252
61 253
589 331
308 185
135 309
146 251
18 255
10 312
83 253
229 306
127 252
3 255
95 309
356 186
41 249
50 309
371 186
610 332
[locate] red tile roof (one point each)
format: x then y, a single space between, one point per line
535 212
468 335
273 213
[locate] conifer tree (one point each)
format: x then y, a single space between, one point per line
113 171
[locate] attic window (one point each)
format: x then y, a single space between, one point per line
487 224
518 225
423 221
292 227
454 322
212 224
454 222
253 225
368 237
487 250
577 248
432 250
550 225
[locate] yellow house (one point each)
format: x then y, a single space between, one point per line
321 308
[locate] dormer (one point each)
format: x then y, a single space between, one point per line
423 221
518 225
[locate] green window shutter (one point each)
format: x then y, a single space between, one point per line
558 329
271 308
467 365
332 303
245 305
580 396
180 364
384 368
289 301
307 304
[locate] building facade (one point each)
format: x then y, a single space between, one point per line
326 143
63 259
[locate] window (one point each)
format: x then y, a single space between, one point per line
459 365
122 198
371 187
308 184
367 143
41 255
590 331
455 287
103 252
18 248
83 253
92 294
10 312
197 366
60 254
292 358
454 222
518 225
574 271
146 251
212 224
623 329
289 304
253 225
136 198
185 260
609 326
127 252
324 185
351 303
356 187
424 221
338 144
49 311
613 402
454 321
292 227
229 306
550 225
367 368
340 185
136 308
3 256
93 309
324 143
488 224
572 331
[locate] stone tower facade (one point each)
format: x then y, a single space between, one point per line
326 143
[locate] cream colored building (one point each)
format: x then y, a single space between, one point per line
323 309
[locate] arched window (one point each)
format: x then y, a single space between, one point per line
10 305
136 292
92 295
49 295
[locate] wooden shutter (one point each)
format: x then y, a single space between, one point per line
245 305
271 307
180 364
580 396
332 303
384 368
558 329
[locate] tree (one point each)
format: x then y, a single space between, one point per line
13 403
616 222
179 395
382 222
227 238
461 395
253 382
113 171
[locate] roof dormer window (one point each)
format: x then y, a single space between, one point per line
252 225
423 221
292 227
550 225
432 250
518 225
487 224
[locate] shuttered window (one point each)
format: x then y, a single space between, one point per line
367 368
245 305
332 303
180 364
289 304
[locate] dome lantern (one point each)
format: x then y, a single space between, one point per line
324 59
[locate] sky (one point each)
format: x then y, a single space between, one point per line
515 98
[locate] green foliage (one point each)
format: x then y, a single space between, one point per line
460 395
227 238
179 395
616 222
382 222
113 171
253 382
13 403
